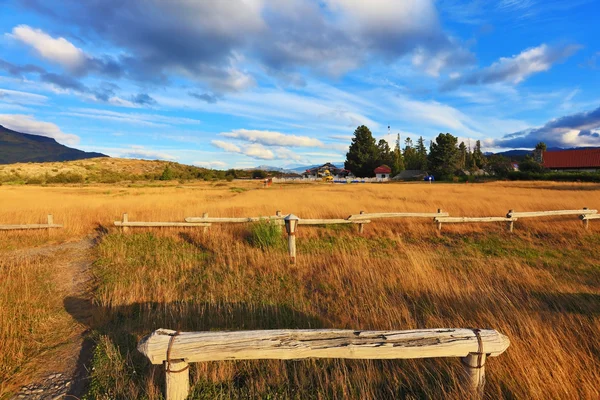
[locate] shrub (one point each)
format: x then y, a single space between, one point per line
264 235
65 177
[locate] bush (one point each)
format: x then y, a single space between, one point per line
264 235
65 177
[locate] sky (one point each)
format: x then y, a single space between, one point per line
240 83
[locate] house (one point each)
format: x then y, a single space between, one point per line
321 171
383 172
580 160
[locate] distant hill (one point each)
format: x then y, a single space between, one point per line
293 168
18 147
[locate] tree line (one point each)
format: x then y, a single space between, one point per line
443 159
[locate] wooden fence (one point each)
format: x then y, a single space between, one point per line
49 225
177 349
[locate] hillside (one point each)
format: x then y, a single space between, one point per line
103 170
22 147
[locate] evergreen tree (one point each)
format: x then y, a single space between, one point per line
444 156
462 155
478 157
421 154
410 155
398 165
363 154
385 155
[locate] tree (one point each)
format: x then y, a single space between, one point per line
363 154
541 146
384 156
499 166
444 156
478 157
398 164
167 174
259 174
530 165
421 154
410 155
462 155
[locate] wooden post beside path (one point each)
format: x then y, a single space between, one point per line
205 229
125 220
439 224
291 222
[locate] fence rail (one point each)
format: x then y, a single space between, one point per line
177 349
536 214
49 225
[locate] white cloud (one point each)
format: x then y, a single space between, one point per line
229 147
16 96
28 124
258 151
287 154
210 164
147 154
269 138
155 120
517 68
56 50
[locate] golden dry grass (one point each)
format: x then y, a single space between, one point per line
540 286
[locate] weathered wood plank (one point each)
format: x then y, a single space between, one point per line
323 343
589 216
396 215
157 224
330 221
30 226
533 214
474 219
218 220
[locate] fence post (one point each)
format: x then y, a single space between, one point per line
124 221
474 373
205 229
439 224
291 221
50 222
361 227
511 224
277 222
586 222
177 380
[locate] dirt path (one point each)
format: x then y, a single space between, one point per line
63 371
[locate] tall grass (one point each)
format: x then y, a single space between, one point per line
539 286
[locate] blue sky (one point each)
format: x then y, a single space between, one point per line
238 83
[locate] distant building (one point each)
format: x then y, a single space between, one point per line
383 172
321 171
582 160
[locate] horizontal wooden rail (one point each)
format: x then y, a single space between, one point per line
396 215
130 224
186 347
473 219
218 220
330 221
49 225
534 214
589 216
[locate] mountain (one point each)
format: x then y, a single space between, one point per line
18 147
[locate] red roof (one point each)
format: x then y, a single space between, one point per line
384 169
583 158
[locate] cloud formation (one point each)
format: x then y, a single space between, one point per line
161 38
146 154
581 129
210 164
270 138
28 124
516 69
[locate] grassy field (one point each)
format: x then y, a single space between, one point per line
540 286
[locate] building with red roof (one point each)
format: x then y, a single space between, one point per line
383 172
585 160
